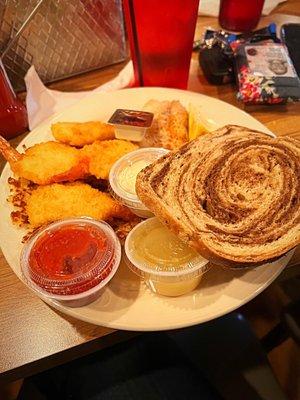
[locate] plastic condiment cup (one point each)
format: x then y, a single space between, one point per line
166 280
131 124
122 178
82 277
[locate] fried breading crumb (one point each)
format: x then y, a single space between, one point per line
20 189
122 228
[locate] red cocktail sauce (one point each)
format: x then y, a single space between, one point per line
70 259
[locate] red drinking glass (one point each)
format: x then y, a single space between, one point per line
13 115
161 34
240 15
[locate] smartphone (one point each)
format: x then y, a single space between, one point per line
290 35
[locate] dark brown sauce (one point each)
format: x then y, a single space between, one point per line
132 117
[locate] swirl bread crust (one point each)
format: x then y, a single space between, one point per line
233 195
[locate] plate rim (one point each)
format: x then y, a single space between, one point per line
183 325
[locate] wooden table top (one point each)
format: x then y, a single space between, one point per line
35 337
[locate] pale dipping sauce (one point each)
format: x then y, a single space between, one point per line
122 178
161 249
169 266
128 174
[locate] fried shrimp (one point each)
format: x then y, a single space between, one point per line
53 202
82 133
8 152
103 155
46 163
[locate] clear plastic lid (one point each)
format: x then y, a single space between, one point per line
154 252
122 176
70 257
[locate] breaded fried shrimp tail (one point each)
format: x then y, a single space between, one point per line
49 162
8 152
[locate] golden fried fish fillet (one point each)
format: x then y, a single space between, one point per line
82 133
170 125
47 162
53 202
103 155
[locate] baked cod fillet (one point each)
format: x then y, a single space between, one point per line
53 202
169 127
233 195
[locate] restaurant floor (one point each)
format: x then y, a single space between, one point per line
263 313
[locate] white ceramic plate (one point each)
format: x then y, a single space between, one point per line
126 303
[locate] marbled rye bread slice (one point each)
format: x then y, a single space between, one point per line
234 195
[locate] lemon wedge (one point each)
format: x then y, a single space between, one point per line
197 124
